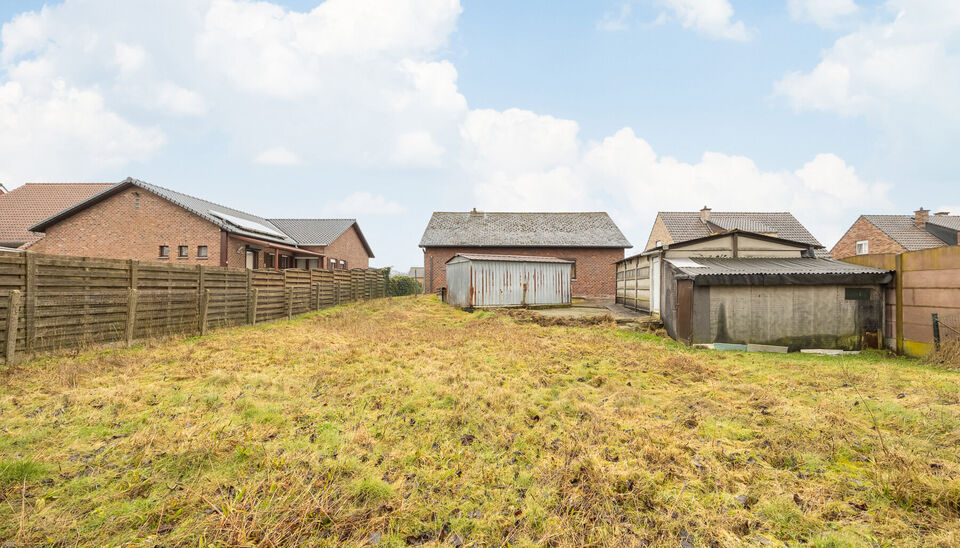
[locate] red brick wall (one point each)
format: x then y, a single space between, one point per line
117 228
863 229
658 233
348 247
596 267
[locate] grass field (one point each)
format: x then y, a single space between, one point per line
402 421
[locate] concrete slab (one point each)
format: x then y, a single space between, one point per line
821 351
729 346
767 348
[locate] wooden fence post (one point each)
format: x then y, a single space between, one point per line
131 315
204 306
288 291
252 306
13 320
30 300
318 297
899 305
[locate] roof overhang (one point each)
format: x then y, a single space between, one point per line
267 243
719 235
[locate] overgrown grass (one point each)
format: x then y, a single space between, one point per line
403 421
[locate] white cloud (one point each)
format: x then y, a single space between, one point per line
418 148
66 133
363 204
615 20
824 13
277 156
892 72
710 18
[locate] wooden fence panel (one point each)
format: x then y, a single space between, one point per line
66 302
271 300
12 278
228 296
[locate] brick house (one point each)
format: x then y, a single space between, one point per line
137 220
591 240
31 203
671 227
876 234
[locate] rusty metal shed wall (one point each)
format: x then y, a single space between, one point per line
486 283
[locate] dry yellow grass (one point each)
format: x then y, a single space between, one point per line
402 421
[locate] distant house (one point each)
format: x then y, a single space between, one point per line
672 227
416 272
137 220
29 204
875 234
3 189
591 240
741 288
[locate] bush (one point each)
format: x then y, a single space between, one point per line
404 285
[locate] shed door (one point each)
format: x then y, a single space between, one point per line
655 285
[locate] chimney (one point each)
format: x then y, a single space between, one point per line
475 212
705 214
920 217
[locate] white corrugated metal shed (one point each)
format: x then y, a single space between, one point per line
479 281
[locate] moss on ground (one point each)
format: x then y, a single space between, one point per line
403 421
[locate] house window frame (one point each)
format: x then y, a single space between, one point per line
202 252
183 252
866 247
164 252
573 268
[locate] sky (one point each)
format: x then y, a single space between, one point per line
387 110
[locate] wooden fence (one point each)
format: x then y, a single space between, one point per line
927 282
53 302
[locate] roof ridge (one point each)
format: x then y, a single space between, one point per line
524 212
310 218
737 212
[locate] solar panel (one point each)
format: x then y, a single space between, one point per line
246 224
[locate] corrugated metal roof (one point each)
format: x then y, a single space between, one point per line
687 225
28 204
722 267
510 258
466 229
314 231
901 229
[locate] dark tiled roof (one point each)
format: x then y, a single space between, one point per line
320 232
510 258
686 225
26 205
235 221
949 221
314 231
901 229
718 267
449 229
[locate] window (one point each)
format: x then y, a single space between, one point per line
857 294
268 260
863 247
201 252
573 268
183 251
659 243
164 251
343 264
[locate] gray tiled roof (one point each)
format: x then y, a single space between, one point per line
949 221
287 231
686 225
203 208
901 229
719 267
314 231
510 258
466 229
